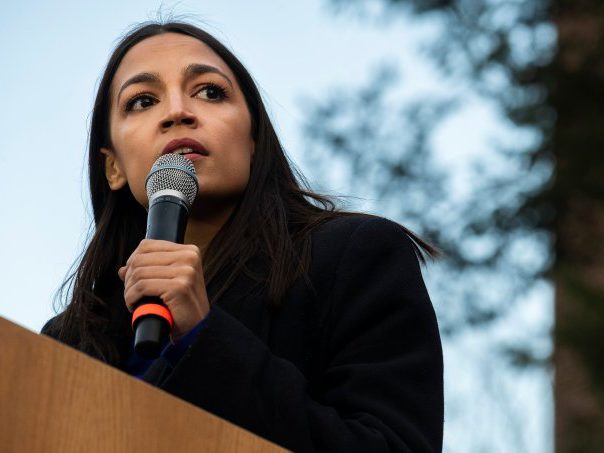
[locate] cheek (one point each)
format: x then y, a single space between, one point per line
129 137
236 138
241 158
237 166
133 150
135 167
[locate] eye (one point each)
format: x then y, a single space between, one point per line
212 92
140 102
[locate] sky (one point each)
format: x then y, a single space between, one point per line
52 56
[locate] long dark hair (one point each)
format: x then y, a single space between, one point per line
273 220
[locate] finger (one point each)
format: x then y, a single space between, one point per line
165 289
121 273
157 255
153 259
157 245
183 272
144 288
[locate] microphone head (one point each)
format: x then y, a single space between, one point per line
173 172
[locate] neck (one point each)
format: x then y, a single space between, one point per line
202 227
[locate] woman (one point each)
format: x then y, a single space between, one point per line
308 326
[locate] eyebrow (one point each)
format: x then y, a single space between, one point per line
189 72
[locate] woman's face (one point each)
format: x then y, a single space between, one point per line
173 87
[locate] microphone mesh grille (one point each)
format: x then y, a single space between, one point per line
173 171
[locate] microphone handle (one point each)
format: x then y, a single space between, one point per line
167 220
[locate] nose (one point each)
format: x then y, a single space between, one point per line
178 114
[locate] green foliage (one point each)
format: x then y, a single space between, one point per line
497 233
546 81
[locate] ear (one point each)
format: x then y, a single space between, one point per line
113 170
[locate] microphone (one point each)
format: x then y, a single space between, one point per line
171 188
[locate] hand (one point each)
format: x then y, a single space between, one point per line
172 272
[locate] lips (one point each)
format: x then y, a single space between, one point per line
193 145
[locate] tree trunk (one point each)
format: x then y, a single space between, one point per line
577 96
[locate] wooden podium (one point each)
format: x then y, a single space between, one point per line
56 399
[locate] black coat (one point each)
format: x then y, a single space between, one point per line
351 362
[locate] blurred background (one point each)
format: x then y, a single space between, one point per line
475 123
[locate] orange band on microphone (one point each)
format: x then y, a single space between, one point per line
152 309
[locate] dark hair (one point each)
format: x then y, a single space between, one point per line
273 220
